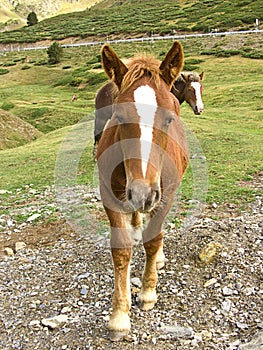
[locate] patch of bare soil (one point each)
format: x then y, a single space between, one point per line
67 275
39 235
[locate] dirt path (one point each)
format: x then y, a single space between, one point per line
214 305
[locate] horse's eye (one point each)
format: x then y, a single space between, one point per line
169 120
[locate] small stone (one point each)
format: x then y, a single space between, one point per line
33 217
144 336
206 335
226 305
65 309
83 291
34 323
178 331
227 291
19 246
136 282
210 282
241 325
4 192
54 322
9 251
10 223
241 250
197 339
84 275
255 344
209 252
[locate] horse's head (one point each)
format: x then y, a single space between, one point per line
143 115
193 91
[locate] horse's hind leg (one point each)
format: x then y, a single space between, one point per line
160 258
148 296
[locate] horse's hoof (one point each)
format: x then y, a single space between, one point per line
118 336
147 306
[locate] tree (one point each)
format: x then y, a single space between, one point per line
32 19
55 53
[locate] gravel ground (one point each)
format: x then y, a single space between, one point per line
57 283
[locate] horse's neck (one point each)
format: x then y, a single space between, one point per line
179 90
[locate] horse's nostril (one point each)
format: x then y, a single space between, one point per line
157 195
129 194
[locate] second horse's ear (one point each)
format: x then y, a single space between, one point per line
185 77
201 76
173 63
112 64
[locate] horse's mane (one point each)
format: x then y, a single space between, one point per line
192 76
139 67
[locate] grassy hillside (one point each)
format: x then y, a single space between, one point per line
229 131
128 18
13 14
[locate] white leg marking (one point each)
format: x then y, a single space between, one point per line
119 322
198 95
146 105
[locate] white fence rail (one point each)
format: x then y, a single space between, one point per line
15 47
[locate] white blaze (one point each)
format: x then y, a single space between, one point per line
199 102
146 105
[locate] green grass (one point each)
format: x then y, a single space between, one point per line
229 131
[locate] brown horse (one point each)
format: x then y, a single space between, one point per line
142 156
187 87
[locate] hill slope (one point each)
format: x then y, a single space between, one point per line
13 14
14 131
117 19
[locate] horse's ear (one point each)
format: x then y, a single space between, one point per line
201 76
113 66
185 77
173 63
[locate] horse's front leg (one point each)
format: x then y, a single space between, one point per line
148 296
121 251
119 323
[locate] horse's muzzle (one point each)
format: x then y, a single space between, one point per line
142 196
198 110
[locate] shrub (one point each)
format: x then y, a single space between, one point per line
32 19
96 78
193 61
40 63
253 54
8 64
189 67
39 112
6 106
95 59
97 66
55 53
3 71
